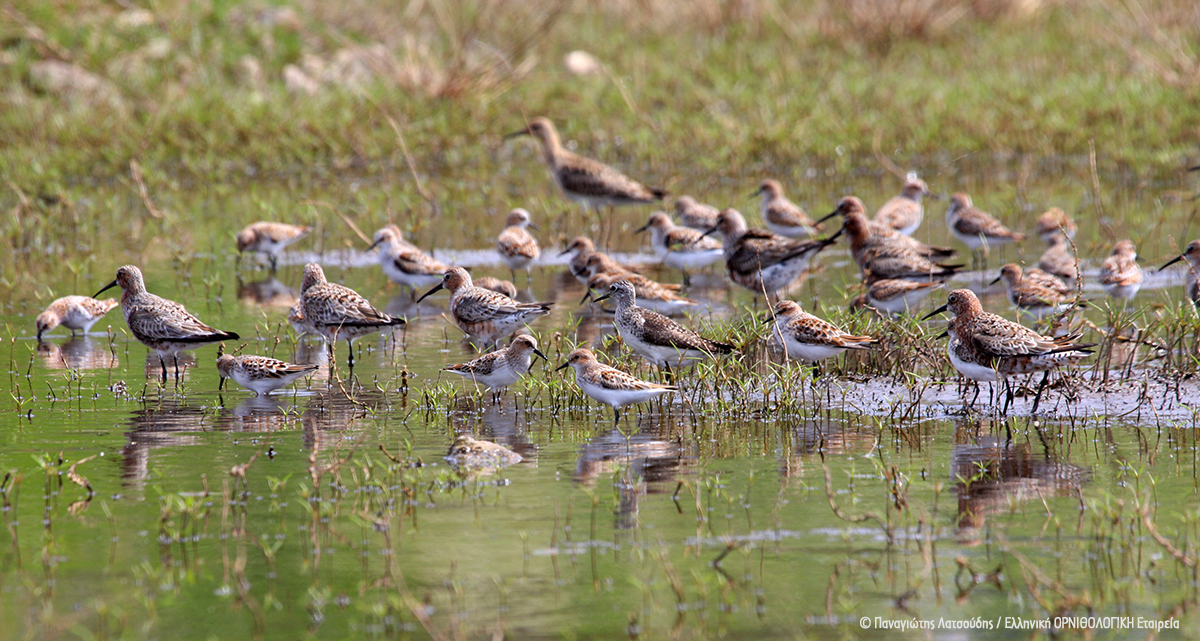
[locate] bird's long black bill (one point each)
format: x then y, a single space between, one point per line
827 217
563 366
935 312
1168 264
114 284
436 288
539 353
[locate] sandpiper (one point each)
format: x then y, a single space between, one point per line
298 322
338 312
882 253
661 297
499 286
1059 259
516 246
581 249
781 215
760 261
895 296
74 313
269 238
1120 274
681 247
655 337
501 368
987 348
260 374
1192 254
1048 280
1032 297
809 338
160 324
609 385
695 215
481 313
903 213
584 180
404 263
976 228
1055 222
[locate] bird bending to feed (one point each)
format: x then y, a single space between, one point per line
987 348
1192 254
495 284
976 228
894 296
404 263
807 337
260 374
1055 222
501 368
581 250
760 261
882 253
1031 297
516 246
338 312
695 215
74 313
483 314
269 238
1120 274
680 247
655 337
781 215
660 297
609 385
160 324
1059 259
904 213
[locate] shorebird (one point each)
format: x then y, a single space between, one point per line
1120 274
809 338
903 213
781 215
499 286
695 215
1048 280
501 368
74 313
680 247
1059 259
976 228
655 337
160 324
987 348
660 297
483 314
760 261
269 238
260 374
895 296
1031 297
299 323
609 385
589 182
1192 254
516 246
581 249
883 253
404 263
1055 222
338 312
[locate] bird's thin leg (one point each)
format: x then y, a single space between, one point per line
975 397
176 357
162 361
616 416
687 282
350 348
1008 397
1037 398
274 263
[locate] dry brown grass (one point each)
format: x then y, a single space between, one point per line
1160 38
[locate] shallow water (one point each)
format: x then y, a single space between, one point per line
328 511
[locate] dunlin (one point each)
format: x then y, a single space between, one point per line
404 263
695 215
260 374
662 298
760 261
781 215
298 322
1031 297
1059 259
809 338
1055 222
880 252
338 312
1120 274
1048 280
499 286
903 213
609 385
74 313
581 249
584 180
1192 254
895 296
160 324
987 348
269 238
503 367
655 337
516 246
680 247
483 314
976 228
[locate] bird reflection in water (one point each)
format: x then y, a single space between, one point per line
81 352
270 291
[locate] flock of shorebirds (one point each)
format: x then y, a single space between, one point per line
897 272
